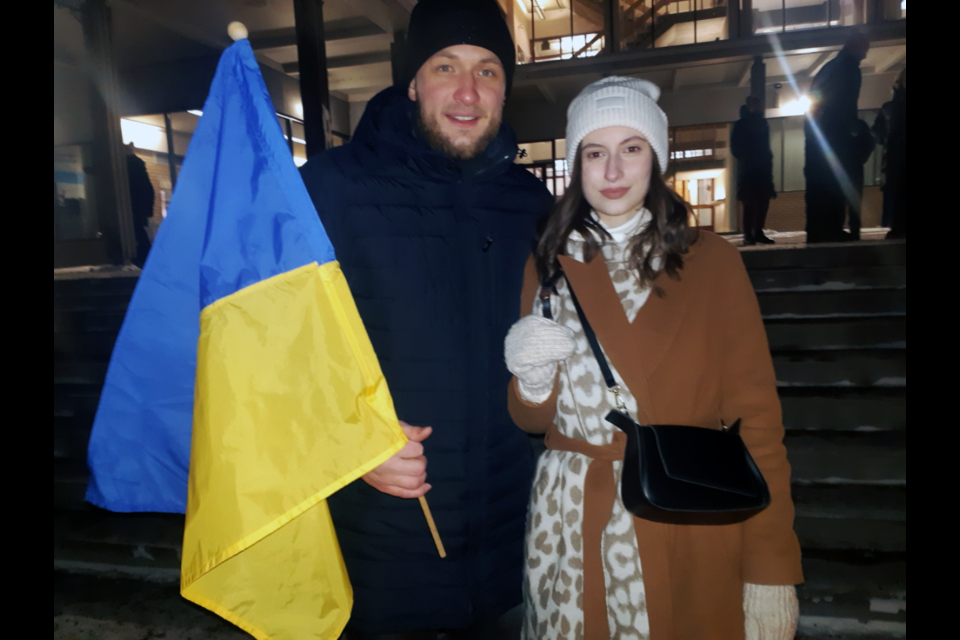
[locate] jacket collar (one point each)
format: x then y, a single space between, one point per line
390 120
636 349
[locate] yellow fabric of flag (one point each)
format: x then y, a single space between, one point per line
290 407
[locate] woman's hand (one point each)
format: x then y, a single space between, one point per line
534 348
772 613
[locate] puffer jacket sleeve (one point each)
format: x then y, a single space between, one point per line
534 419
321 178
771 550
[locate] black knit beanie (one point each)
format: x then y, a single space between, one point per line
438 24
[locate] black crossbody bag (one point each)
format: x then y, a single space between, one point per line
674 474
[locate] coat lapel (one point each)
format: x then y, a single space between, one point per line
637 349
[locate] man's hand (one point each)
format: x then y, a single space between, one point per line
405 474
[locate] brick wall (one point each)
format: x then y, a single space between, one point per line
789 212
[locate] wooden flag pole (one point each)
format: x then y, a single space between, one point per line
433 527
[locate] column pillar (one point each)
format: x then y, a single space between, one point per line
111 184
746 18
398 56
613 27
758 80
314 83
733 20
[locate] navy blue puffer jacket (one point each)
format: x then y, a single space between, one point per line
434 253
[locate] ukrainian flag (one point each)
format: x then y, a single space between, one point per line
244 360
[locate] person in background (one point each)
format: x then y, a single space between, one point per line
432 221
142 199
678 318
864 144
830 133
750 143
881 133
897 162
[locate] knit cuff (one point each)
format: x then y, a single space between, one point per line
535 395
772 613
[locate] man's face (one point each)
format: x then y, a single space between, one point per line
460 93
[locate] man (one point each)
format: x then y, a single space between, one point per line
830 142
750 143
897 161
432 223
142 200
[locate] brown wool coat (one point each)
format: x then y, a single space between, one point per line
696 356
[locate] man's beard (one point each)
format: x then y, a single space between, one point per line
434 136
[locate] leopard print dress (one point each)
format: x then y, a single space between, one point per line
553 587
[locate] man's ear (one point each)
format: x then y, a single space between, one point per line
412 90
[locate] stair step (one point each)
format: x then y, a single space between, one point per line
118 606
71 347
72 404
824 628
866 253
92 287
96 541
853 594
841 502
91 374
836 533
69 441
826 279
848 458
88 322
122 529
88 303
885 368
837 334
841 409
833 304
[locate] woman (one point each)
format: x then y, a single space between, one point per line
679 322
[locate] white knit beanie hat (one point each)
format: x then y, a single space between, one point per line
619 102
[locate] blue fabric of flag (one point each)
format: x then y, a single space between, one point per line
240 215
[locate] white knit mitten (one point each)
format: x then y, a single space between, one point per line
772 613
534 348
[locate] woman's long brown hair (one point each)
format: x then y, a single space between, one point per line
668 236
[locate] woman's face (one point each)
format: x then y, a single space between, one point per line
616 164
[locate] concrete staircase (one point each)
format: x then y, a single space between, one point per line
87 315
836 319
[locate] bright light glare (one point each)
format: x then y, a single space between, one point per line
194 112
298 108
143 136
299 161
903 5
798 107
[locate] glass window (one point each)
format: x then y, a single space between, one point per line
534 152
647 24
772 16
74 209
299 153
559 29
299 133
794 156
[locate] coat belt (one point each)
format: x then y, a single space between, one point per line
600 494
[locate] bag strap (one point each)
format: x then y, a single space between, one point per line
608 377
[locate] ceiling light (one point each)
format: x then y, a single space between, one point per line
194 112
903 5
798 107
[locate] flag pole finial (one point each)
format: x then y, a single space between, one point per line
238 31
